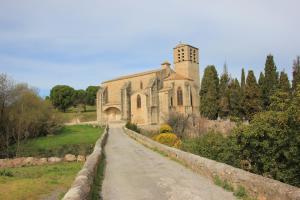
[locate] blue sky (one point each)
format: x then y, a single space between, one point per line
81 43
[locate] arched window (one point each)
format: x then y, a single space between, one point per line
171 101
138 101
179 97
141 85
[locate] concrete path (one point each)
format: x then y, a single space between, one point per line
134 172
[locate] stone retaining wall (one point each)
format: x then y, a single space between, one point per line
83 182
30 161
258 186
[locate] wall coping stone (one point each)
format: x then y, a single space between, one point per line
256 185
81 186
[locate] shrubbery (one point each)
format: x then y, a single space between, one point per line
165 128
269 146
169 139
132 126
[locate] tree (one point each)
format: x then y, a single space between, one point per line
61 97
284 83
270 81
235 99
23 115
91 92
209 93
252 101
243 80
79 98
224 95
296 73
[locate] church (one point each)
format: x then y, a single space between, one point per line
149 97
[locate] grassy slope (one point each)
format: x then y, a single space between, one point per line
74 114
77 139
37 181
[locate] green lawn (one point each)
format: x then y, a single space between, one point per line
78 114
36 182
77 139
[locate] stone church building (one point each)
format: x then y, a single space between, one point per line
149 97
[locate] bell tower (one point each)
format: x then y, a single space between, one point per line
186 62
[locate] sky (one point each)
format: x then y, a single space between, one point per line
81 43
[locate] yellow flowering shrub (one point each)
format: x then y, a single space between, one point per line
169 139
165 128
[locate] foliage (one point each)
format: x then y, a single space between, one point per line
76 139
214 146
235 99
284 83
209 93
132 126
23 114
224 107
252 101
98 180
179 123
296 73
269 84
5 172
62 96
91 92
165 128
169 139
79 98
271 144
35 182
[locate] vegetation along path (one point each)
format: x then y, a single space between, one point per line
136 172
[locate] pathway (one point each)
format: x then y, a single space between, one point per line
134 172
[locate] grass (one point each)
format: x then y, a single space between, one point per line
77 139
240 192
98 179
36 182
78 114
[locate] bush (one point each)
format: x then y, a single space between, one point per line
165 128
132 127
5 172
169 139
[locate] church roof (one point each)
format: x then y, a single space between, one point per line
133 75
183 44
175 76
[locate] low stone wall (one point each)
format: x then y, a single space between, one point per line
31 161
258 186
82 184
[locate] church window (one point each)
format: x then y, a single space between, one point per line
171 101
141 85
191 97
179 97
138 101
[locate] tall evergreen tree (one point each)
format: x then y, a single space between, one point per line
296 73
270 81
243 80
235 99
261 80
284 83
224 94
252 101
209 93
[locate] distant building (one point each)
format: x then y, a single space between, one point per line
149 97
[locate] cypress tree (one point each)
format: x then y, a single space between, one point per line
243 80
284 83
296 73
235 99
261 80
270 81
252 101
209 93
224 94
